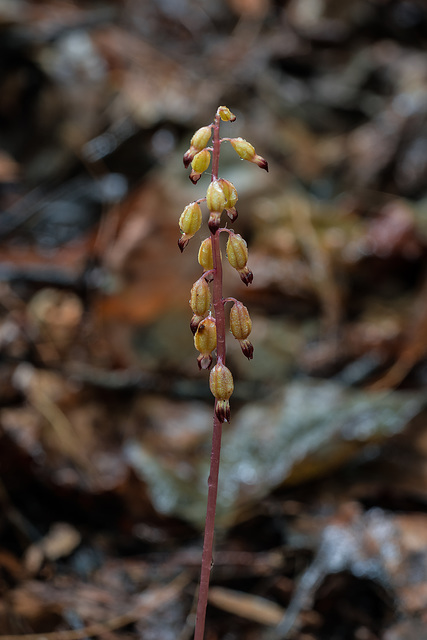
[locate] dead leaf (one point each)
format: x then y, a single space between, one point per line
246 606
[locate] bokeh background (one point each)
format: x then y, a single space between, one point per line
105 420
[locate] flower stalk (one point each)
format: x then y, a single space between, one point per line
210 332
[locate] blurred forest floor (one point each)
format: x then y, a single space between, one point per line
105 420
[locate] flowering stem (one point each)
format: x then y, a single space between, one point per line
209 332
218 305
209 531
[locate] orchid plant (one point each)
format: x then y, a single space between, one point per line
208 305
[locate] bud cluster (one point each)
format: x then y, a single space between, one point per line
207 323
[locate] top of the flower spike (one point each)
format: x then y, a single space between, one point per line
225 114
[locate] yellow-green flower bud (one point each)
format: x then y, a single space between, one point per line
189 223
198 142
201 161
237 251
205 341
199 164
247 152
225 114
240 321
201 138
215 197
229 191
222 386
205 256
241 327
237 254
244 148
200 298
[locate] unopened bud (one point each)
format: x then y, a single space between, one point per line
225 114
240 321
201 138
247 348
215 197
200 298
194 323
189 223
205 256
221 386
199 164
198 142
244 148
205 341
247 152
237 251
237 254
232 213
246 275
229 191
241 326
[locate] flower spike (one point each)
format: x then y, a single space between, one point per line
208 322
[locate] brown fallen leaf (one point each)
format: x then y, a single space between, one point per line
60 541
246 606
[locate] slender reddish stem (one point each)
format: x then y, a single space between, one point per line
218 305
209 532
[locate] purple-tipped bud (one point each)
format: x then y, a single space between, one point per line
247 348
188 156
194 176
247 152
199 164
225 114
232 213
243 148
189 223
241 327
198 142
222 386
222 410
246 276
240 321
237 251
182 242
261 162
204 360
205 341
194 323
